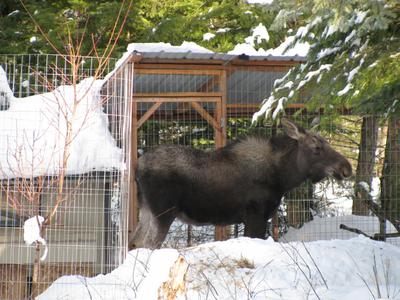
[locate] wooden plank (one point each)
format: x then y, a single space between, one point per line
179 95
258 106
224 101
222 232
209 118
253 63
148 114
157 63
185 71
181 63
173 100
259 68
133 207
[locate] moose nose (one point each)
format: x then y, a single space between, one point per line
347 170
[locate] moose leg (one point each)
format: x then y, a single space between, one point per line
255 226
151 230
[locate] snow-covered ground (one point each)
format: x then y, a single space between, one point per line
247 268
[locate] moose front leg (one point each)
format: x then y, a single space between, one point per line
255 226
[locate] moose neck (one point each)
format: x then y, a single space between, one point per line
290 173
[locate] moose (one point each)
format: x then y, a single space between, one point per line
242 182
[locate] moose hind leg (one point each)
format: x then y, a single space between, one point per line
151 230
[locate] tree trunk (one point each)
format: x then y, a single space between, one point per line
390 182
366 163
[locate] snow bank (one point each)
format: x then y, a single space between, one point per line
33 132
137 278
249 269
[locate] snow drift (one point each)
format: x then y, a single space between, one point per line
247 268
33 132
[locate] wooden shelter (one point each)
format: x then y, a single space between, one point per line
191 83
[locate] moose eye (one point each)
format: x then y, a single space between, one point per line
317 150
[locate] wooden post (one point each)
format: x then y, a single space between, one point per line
221 232
275 227
133 207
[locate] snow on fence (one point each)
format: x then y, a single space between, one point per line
64 170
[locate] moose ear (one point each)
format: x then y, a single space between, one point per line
292 130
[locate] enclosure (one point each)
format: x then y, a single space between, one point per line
161 94
63 156
189 95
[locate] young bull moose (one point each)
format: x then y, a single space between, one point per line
240 183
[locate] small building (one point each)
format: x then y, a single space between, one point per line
189 95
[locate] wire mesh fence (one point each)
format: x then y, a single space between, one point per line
75 177
200 106
323 211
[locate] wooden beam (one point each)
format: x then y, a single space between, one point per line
179 94
222 232
224 101
196 71
181 63
148 114
209 118
174 99
133 206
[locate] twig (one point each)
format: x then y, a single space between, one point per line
354 230
213 290
316 266
297 264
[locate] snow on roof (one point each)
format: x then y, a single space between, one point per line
167 47
33 132
190 50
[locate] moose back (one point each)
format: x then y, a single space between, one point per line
241 183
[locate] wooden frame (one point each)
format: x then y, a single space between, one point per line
218 70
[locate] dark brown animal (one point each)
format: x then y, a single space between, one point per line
241 183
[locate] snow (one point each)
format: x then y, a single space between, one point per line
360 16
33 39
328 228
32 233
263 2
329 30
260 33
247 268
208 36
33 132
311 74
15 12
223 30
265 109
6 93
344 91
167 47
326 52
